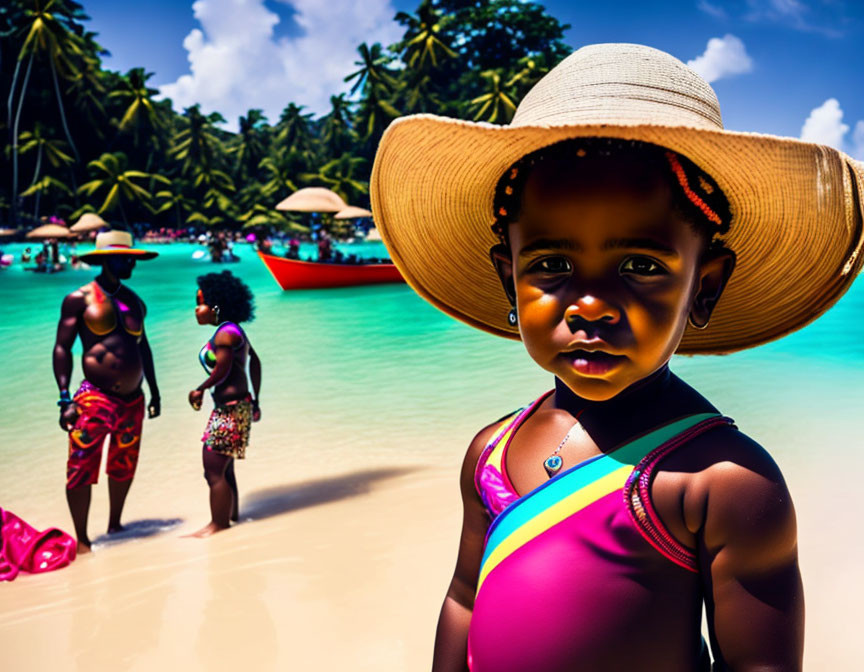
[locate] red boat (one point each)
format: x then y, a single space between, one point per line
296 274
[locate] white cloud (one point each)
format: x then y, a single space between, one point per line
827 18
825 126
713 10
723 57
236 63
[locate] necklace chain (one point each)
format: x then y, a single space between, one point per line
112 294
553 463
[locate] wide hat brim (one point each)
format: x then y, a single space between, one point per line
97 256
796 227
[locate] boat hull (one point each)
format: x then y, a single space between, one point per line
296 274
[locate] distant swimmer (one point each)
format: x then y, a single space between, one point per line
109 319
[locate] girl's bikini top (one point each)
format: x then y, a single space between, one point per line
101 314
207 354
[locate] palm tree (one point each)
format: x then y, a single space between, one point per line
373 68
50 149
420 94
46 186
262 215
424 44
49 34
174 199
281 170
340 176
374 114
196 145
336 131
141 115
112 176
494 106
531 70
250 147
87 88
293 131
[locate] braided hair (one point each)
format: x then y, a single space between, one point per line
696 196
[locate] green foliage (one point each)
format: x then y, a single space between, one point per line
68 121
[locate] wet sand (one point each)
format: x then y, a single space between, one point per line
330 571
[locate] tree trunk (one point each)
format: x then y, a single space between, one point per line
62 111
14 205
11 97
35 179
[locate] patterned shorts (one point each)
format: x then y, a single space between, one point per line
103 415
227 430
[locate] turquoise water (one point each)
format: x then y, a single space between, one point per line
379 371
376 378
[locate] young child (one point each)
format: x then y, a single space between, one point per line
225 301
613 223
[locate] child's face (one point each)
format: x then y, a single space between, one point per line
605 274
203 313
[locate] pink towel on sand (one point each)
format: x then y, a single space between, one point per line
25 549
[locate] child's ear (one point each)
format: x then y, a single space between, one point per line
503 261
714 272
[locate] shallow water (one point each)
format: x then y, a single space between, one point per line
375 378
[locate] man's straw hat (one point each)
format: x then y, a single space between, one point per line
112 243
796 207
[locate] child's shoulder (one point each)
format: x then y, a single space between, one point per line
228 334
735 493
723 453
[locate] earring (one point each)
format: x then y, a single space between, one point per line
694 325
216 310
511 317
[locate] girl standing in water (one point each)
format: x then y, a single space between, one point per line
602 228
225 301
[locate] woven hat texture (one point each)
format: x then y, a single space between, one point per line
796 207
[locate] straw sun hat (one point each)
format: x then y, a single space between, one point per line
115 243
796 207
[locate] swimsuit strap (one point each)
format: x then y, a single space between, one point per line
637 495
243 338
490 479
504 424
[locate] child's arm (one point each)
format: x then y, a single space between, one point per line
451 638
255 375
750 562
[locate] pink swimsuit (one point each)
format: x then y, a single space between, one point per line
580 573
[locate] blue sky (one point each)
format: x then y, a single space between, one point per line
777 62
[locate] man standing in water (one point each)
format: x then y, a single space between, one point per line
109 319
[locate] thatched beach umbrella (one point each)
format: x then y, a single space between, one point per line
8 232
89 221
47 231
313 199
373 235
352 212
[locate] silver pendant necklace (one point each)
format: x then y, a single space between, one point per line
554 462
